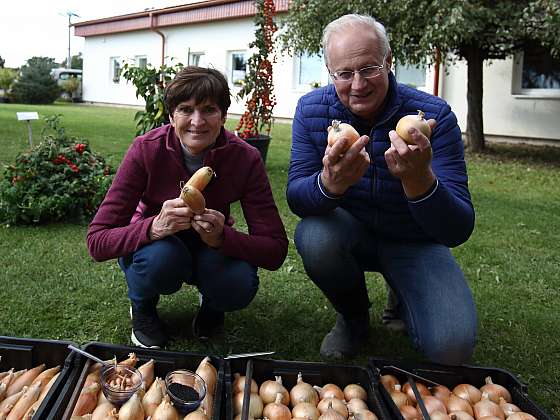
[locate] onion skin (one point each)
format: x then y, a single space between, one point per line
399 397
422 389
330 391
458 404
255 405
239 384
303 392
269 390
338 405
495 391
339 130
413 121
441 392
433 404
487 408
508 408
364 415
460 415
276 410
468 392
410 413
306 410
208 373
356 404
438 415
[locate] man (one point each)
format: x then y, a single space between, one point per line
383 205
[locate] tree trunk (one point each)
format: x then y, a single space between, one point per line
475 130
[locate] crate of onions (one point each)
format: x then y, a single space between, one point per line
423 390
138 383
282 390
32 374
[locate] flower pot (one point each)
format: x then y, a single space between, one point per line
261 142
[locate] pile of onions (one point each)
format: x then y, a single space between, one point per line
307 402
465 402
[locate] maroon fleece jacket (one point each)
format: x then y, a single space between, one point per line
151 173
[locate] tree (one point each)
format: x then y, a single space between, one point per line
35 84
473 30
77 62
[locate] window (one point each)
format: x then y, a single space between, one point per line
411 75
536 72
309 71
115 69
238 67
141 61
197 59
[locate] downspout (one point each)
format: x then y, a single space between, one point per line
153 28
437 64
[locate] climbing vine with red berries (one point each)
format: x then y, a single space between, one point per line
258 84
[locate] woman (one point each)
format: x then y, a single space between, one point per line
159 242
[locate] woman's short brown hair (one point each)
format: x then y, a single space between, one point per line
198 83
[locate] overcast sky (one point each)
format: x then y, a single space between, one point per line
40 27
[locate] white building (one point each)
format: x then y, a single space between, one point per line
217 33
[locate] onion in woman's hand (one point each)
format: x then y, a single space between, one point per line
413 121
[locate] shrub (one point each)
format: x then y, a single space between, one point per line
35 85
7 77
60 178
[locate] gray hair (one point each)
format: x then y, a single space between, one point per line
351 20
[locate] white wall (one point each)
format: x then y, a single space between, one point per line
216 40
504 113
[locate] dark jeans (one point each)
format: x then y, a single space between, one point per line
161 268
434 298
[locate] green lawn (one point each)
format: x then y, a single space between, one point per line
50 287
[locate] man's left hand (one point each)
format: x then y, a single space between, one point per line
411 163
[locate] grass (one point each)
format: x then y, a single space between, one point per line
50 287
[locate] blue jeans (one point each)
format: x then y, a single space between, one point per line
434 298
161 268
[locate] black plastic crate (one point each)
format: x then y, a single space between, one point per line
451 376
165 361
25 353
314 373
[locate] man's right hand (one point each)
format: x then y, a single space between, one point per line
173 217
342 170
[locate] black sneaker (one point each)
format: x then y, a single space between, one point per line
345 339
207 322
147 329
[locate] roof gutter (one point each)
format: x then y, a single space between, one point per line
153 28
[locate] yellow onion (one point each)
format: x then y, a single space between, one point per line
520 415
239 384
11 401
29 396
441 392
87 401
410 413
255 405
433 404
438 415
422 390
25 379
456 403
165 411
364 415
412 121
331 414
356 404
460 415
3 388
303 392
269 390
486 408
147 371
153 398
335 404
102 411
330 391
468 392
508 407
133 410
399 397
277 410
389 382
209 374
495 391
196 415
306 410
352 391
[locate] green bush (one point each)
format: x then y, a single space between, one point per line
59 179
7 77
35 85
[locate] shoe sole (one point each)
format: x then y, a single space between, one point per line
137 342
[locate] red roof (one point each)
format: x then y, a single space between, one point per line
205 11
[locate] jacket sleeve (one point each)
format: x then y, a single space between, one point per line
266 244
110 234
304 191
447 213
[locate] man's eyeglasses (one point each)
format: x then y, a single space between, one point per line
368 72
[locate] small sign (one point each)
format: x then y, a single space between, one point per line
26 116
